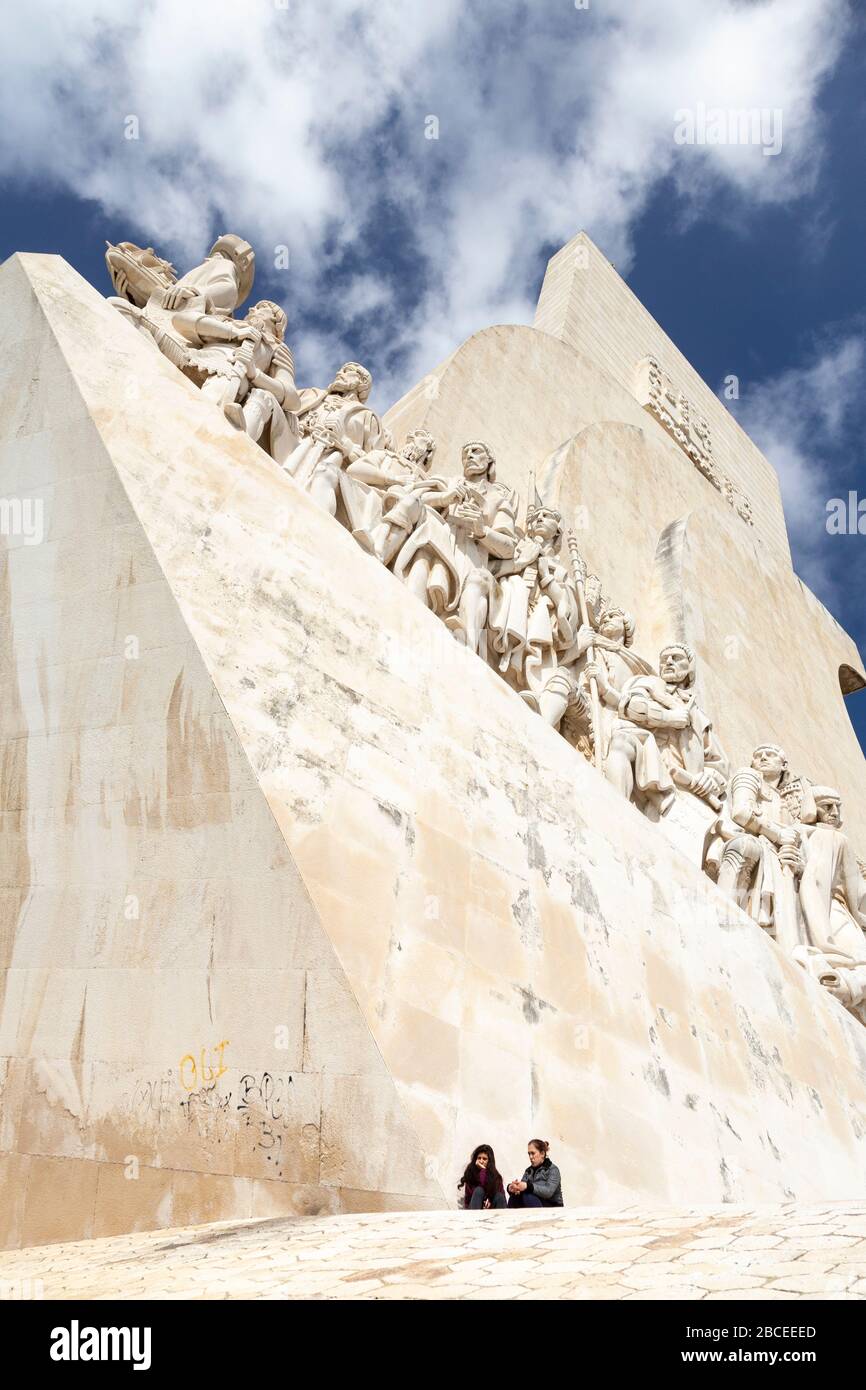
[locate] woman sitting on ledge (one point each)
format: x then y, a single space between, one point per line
541 1185
482 1184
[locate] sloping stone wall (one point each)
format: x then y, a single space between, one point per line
338 821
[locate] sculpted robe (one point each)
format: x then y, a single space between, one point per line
755 812
834 950
350 419
385 489
453 553
534 614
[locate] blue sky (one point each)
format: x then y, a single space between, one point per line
306 126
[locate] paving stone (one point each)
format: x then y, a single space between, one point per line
813 1283
774 1253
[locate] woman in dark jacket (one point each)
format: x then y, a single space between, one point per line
482 1184
541 1185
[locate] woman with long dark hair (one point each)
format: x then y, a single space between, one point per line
482 1184
541 1184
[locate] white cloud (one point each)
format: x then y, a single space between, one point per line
800 419
305 126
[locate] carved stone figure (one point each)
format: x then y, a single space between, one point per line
661 738
336 428
832 900
566 700
248 369
384 493
534 615
221 283
447 561
754 850
149 293
137 272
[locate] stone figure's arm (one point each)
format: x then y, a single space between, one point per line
368 427
642 709
558 584
745 786
198 328
498 543
220 287
594 670
283 373
434 490
500 539
351 451
445 494
553 576
525 554
746 812
271 384
369 469
588 637
177 295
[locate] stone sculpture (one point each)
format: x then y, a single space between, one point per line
149 293
833 904
248 369
384 494
661 738
244 365
608 638
137 272
222 281
754 849
447 561
535 615
336 428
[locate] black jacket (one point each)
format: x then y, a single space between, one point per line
545 1182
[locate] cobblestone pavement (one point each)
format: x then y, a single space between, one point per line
778 1252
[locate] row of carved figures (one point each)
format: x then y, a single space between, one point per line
774 844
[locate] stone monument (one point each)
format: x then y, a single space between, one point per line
344 823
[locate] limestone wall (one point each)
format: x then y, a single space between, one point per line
339 822
177 1041
585 303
